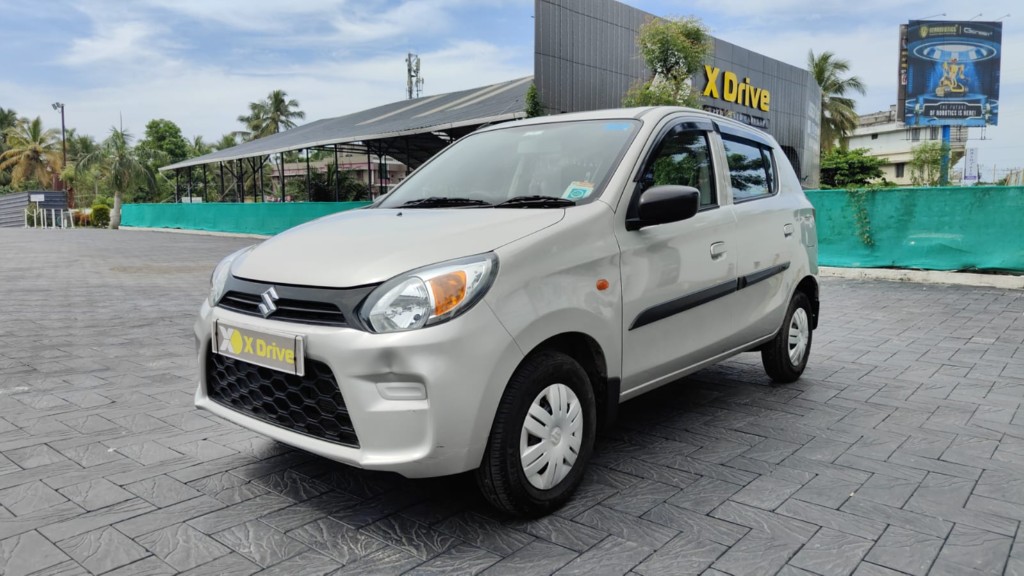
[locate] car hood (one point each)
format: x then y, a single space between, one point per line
360 247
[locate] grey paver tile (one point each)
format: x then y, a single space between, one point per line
894 516
832 552
173 514
766 492
336 540
260 543
558 530
96 519
627 527
462 560
307 563
905 550
96 494
182 546
32 456
29 552
162 490
485 533
976 549
31 497
537 558
230 565
687 553
102 550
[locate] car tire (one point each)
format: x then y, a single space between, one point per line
785 356
523 472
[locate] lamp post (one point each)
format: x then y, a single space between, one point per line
63 143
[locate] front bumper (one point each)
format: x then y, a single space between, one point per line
463 365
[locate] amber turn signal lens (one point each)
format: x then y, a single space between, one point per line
448 290
602 284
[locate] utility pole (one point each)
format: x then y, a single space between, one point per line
413 80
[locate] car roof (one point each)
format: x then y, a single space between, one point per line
651 113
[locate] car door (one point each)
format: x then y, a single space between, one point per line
766 232
677 278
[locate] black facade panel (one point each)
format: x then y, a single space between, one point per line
12 206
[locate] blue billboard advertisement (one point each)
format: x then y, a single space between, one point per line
952 73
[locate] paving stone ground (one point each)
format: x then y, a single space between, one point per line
901 451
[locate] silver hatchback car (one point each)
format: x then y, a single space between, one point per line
493 310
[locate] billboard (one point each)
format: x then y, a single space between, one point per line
952 73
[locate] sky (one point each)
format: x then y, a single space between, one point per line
199 63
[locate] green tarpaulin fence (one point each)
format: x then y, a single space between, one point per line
952 228
260 218
970 228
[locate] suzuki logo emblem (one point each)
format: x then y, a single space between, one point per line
267 307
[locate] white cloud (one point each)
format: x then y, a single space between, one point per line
126 41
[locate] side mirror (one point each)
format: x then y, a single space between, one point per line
664 204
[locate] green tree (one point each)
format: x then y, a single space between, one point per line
533 105
838 110
272 115
199 147
8 119
120 165
674 51
32 154
163 144
926 163
228 140
849 168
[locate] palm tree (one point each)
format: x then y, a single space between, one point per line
8 119
123 170
32 153
838 111
272 115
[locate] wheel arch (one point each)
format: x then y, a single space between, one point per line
585 350
809 286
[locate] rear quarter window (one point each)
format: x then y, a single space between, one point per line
751 169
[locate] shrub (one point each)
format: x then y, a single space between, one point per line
100 216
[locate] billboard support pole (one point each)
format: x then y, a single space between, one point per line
944 170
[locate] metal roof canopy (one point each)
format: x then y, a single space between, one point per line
412 129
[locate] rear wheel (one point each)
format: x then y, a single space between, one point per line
785 357
542 437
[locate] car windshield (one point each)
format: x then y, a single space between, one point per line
533 166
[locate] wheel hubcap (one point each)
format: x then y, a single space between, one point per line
551 437
799 336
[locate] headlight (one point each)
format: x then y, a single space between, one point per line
221 273
429 295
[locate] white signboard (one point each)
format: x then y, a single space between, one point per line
970 166
37 197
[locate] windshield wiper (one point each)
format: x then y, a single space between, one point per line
442 202
535 202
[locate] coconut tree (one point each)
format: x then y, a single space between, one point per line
124 172
32 153
838 110
272 115
8 119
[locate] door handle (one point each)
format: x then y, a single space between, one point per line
787 230
717 250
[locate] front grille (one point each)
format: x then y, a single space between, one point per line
310 404
288 310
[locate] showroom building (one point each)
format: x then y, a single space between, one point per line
586 58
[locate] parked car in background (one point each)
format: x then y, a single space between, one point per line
493 310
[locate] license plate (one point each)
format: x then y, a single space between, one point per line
284 352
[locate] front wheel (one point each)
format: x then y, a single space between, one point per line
542 436
785 356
